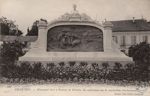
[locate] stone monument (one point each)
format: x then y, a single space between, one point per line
74 37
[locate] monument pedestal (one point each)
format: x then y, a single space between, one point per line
76 56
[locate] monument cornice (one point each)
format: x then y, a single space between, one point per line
87 23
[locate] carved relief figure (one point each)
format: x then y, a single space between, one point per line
74 38
67 39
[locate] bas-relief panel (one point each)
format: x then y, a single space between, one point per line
74 38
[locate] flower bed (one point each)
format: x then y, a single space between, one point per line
73 72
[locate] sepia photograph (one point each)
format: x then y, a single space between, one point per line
74 47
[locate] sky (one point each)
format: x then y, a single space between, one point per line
25 12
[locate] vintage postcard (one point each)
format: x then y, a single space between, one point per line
74 47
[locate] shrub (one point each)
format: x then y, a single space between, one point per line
37 70
83 63
72 63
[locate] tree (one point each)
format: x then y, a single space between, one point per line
140 54
34 29
8 27
11 51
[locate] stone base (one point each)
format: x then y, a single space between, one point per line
76 56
